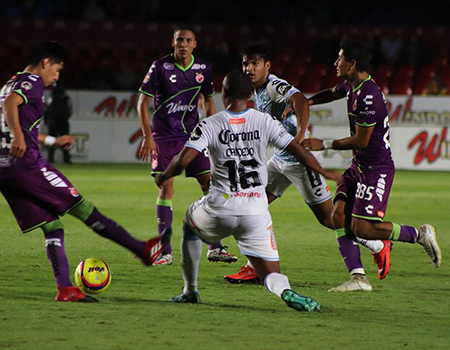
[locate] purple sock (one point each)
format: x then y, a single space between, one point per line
216 245
56 253
164 215
350 253
407 234
108 228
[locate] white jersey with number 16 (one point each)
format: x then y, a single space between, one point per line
237 145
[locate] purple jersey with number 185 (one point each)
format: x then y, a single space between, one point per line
176 91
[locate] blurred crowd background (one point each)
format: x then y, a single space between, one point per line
112 43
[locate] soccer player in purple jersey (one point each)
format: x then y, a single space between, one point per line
362 196
37 193
175 83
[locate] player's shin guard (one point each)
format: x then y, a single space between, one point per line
56 252
191 252
276 283
350 253
106 227
164 216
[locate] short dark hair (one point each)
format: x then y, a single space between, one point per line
238 85
48 49
358 51
258 50
185 28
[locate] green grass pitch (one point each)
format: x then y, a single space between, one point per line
410 309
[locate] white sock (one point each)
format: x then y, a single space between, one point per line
276 283
375 246
191 252
249 264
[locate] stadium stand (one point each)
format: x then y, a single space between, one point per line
303 56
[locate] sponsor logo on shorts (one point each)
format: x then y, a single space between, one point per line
380 214
73 191
273 242
6 161
237 121
53 178
247 194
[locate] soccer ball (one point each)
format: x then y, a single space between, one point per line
93 276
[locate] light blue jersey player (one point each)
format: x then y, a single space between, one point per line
273 96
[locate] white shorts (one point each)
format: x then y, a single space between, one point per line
253 233
311 185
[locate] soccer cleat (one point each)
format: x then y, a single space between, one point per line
154 246
73 293
427 239
221 254
191 297
164 259
299 302
357 283
245 274
383 259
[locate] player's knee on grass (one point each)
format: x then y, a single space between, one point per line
50 227
83 210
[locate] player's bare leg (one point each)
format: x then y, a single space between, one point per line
278 284
425 235
216 252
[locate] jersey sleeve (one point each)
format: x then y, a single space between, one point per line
280 91
201 137
368 106
340 88
31 88
278 136
149 85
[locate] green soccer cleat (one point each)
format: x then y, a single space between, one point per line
191 297
299 302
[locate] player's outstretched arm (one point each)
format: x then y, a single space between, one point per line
148 148
325 96
63 141
11 112
304 156
177 165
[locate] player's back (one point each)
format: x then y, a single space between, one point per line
237 145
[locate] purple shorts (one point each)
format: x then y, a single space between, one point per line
366 190
167 150
39 197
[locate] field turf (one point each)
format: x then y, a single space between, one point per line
410 309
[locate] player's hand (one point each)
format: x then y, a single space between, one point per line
148 150
333 175
64 141
313 144
286 112
18 146
299 137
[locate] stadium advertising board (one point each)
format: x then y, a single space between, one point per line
107 129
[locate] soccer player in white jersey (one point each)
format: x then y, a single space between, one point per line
286 103
236 205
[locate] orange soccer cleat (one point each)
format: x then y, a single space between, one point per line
383 259
245 274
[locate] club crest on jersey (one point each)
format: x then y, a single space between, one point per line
73 191
26 85
199 77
